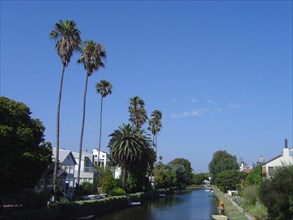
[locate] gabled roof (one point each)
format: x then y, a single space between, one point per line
272 159
63 155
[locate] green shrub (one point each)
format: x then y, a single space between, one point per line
276 193
250 196
117 191
259 211
38 200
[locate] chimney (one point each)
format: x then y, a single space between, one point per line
286 143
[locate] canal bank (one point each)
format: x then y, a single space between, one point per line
232 210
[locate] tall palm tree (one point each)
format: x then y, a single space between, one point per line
138 114
68 39
155 125
92 57
130 147
104 88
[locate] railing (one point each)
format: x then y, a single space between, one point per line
88 170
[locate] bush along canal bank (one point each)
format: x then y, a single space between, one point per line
232 210
80 209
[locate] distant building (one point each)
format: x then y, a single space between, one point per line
261 161
244 168
284 159
104 161
86 167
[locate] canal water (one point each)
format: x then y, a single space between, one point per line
193 205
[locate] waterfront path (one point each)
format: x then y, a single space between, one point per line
249 217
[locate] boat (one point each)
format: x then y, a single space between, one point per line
87 217
161 195
134 203
220 217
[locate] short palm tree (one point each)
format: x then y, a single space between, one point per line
92 57
130 147
68 39
104 88
138 114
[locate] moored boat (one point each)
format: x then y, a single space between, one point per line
220 217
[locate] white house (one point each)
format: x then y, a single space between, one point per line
284 159
86 167
104 161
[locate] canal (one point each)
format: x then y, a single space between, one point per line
193 205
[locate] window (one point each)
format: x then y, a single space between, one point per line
291 153
271 170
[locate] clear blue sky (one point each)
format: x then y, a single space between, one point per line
220 72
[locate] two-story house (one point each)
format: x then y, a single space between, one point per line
86 167
283 159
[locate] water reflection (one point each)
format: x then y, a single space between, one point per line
194 205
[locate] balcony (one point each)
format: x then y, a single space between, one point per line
88 170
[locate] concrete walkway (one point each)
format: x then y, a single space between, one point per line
249 217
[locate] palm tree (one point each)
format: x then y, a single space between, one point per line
138 114
130 147
104 88
155 125
68 39
92 57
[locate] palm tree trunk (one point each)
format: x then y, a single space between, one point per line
82 129
56 165
101 113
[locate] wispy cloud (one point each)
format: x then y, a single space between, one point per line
173 99
193 113
194 101
211 101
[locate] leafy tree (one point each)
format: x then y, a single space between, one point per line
276 193
138 114
198 178
23 153
105 180
155 125
164 176
187 168
92 57
131 148
254 177
104 88
68 39
228 180
222 161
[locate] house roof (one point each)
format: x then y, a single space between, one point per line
63 155
276 157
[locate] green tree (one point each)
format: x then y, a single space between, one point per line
92 58
187 169
155 125
106 180
68 39
228 180
254 177
199 178
138 114
222 161
276 193
104 88
130 147
23 153
164 176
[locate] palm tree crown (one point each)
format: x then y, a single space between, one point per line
68 39
92 56
130 147
104 88
138 114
